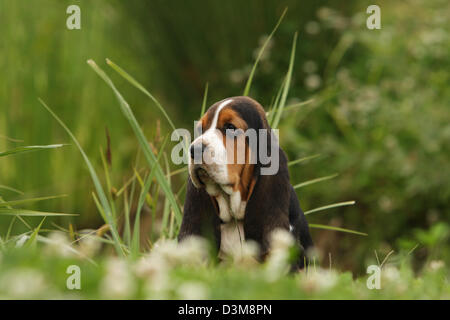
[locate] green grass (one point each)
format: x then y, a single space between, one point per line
172 276
327 131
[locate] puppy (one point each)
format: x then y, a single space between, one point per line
238 187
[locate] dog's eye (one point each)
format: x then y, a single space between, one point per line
229 126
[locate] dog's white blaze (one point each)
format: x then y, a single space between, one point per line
216 116
215 156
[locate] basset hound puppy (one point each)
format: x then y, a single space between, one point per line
234 193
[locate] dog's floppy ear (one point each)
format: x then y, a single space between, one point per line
254 115
199 217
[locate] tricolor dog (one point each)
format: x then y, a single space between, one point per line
238 186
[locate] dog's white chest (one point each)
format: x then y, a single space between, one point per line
230 206
231 239
231 213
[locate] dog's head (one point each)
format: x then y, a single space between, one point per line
225 152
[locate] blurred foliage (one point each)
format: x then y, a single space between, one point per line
380 116
182 273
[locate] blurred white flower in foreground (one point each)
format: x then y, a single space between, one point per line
58 244
193 291
318 280
23 283
89 245
278 264
281 239
191 251
118 283
434 265
154 269
248 256
390 274
165 255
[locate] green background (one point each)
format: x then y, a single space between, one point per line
380 116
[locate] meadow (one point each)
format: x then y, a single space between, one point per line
86 115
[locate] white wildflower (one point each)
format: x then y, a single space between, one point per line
193 251
278 263
155 270
151 266
158 287
89 245
436 265
168 250
281 239
390 274
318 280
193 291
248 256
313 81
23 283
118 282
312 27
58 244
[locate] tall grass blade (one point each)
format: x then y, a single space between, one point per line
330 206
260 53
307 183
291 163
11 189
322 226
98 186
299 104
133 81
29 149
31 213
150 157
108 184
287 85
148 181
32 240
23 201
166 209
271 114
205 98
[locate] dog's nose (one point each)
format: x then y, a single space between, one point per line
197 151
